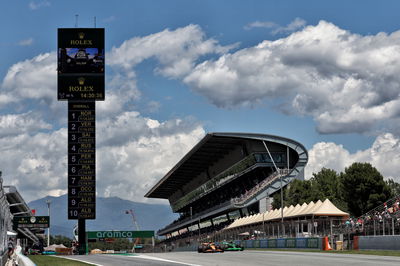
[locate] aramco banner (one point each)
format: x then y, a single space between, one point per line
119 234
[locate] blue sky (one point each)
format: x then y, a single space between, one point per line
322 73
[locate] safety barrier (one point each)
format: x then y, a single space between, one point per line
23 260
284 243
377 242
303 243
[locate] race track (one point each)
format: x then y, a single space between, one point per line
247 258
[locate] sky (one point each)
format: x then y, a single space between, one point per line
324 73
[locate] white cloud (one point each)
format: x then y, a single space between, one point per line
133 153
346 82
34 5
35 163
32 79
384 154
15 124
296 24
109 19
261 24
131 170
26 42
176 51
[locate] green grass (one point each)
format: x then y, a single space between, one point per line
363 252
44 260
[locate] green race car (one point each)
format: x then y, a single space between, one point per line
230 246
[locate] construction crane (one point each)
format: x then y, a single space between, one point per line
137 240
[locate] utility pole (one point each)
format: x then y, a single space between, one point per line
48 213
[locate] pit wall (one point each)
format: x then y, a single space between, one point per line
377 242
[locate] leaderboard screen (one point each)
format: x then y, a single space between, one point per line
80 64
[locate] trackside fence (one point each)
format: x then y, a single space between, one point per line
277 243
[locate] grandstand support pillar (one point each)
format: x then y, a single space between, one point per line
383 224
330 220
273 230
392 226
278 233
263 225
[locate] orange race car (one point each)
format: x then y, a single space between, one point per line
209 247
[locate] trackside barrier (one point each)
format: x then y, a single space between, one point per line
379 242
303 243
306 243
23 260
355 243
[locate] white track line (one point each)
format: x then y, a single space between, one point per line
91 263
155 258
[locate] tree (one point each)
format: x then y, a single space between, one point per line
394 187
326 185
60 239
297 192
363 188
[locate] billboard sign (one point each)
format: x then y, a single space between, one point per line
80 64
31 221
119 234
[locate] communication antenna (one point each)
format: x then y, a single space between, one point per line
76 20
95 21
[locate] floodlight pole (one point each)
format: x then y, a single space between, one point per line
280 177
48 229
191 220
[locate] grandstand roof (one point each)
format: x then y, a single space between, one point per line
326 208
210 149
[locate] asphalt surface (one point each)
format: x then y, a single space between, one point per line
247 258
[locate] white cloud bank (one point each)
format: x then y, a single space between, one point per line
345 81
384 154
133 151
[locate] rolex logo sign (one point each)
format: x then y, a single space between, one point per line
80 65
81 81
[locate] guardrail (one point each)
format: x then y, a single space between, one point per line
260 186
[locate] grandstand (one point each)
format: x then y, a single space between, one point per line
227 176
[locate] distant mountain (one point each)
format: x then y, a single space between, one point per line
110 215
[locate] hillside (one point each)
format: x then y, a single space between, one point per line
110 215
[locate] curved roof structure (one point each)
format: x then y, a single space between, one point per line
211 148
